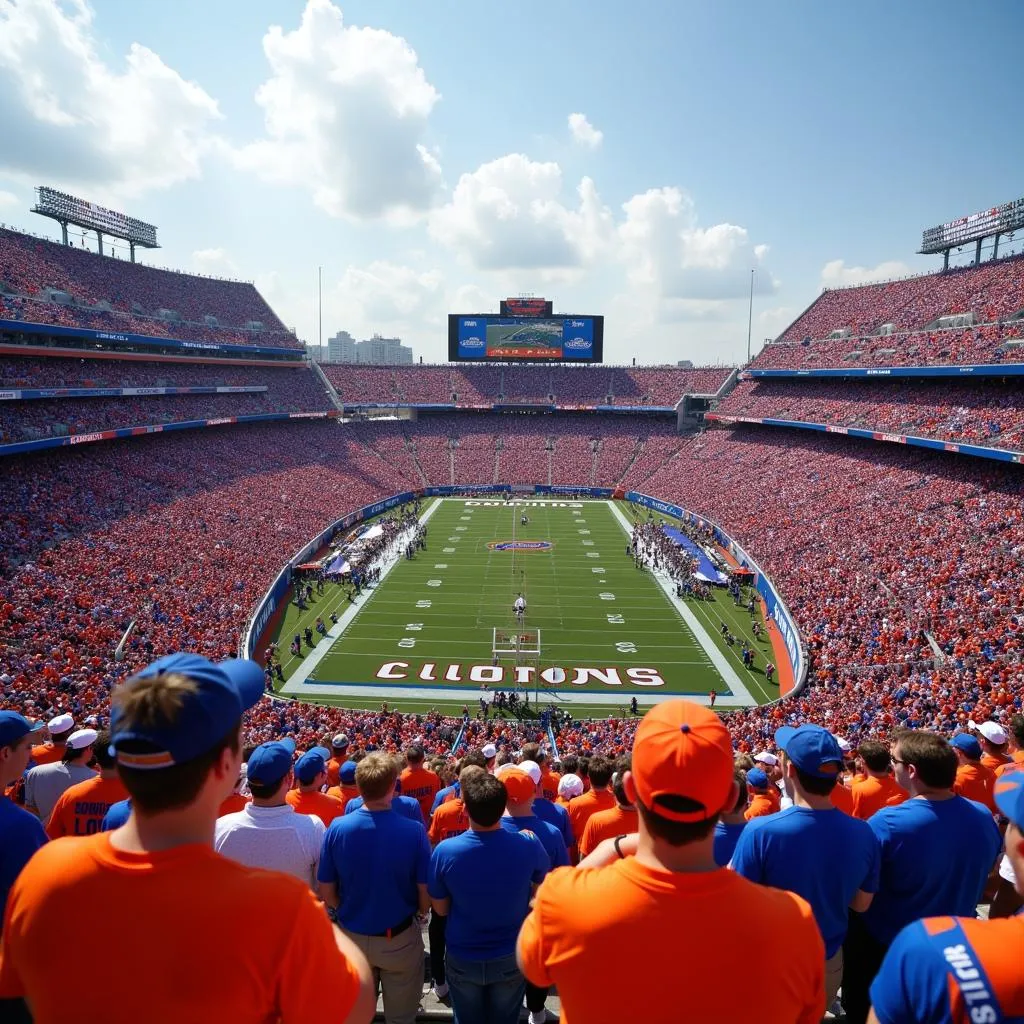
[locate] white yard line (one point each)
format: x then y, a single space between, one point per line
718 659
297 680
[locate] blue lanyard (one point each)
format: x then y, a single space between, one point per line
965 968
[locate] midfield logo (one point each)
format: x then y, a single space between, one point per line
520 545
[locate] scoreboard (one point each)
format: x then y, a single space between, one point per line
484 337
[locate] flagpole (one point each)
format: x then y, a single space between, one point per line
750 312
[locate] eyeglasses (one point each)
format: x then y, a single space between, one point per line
896 760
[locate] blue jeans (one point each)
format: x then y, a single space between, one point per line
485 991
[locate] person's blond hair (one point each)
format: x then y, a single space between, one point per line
375 775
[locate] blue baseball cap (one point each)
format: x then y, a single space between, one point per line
812 749
347 773
311 764
1009 795
13 726
968 744
270 762
224 692
756 777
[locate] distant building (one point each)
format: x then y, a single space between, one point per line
343 348
686 364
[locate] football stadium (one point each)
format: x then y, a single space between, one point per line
481 676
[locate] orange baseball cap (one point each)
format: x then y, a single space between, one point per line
521 788
683 749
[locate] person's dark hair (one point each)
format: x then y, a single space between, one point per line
157 700
532 752
247 751
504 757
571 765
601 769
935 760
676 833
473 757
584 769
622 765
101 751
1016 729
265 790
485 798
875 755
740 778
815 786
414 754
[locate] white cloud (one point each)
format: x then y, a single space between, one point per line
215 262
387 293
508 214
836 274
79 122
584 132
666 251
346 110
8 200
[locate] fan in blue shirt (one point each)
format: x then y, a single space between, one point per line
404 806
730 826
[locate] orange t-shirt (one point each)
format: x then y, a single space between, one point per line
181 970
235 802
976 782
450 819
47 753
549 784
422 785
1011 766
843 799
80 809
334 771
994 761
607 825
873 794
344 794
325 807
760 805
582 921
581 809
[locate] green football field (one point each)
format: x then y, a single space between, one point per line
424 636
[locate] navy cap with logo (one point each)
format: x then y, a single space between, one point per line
311 764
812 749
14 726
968 744
223 692
347 772
269 762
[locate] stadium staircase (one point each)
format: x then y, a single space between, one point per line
451 465
410 445
595 454
497 460
550 452
332 393
637 449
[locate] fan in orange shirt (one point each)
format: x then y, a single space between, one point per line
80 809
450 819
346 789
175 729
619 820
973 780
59 728
419 782
761 802
570 786
311 772
878 788
600 797
1016 746
339 755
626 910
548 779
994 743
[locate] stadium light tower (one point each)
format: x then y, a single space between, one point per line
750 311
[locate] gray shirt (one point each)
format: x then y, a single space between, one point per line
45 784
276 838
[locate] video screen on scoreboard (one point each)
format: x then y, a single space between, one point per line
515 338
526 307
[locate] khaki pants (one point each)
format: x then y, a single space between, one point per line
397 965
833 978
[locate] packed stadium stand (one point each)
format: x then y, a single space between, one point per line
48 283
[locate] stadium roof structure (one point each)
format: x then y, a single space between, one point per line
66 209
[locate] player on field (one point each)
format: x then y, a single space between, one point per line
519 607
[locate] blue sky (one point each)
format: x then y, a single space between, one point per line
424 153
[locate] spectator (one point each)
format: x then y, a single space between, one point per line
628 912
973 780
22 833
545 809
339 755
812 848
175 729
237 799
1016 745
732 822
994 744
599 798
59 729
81 808
959 968
483 881
570 786
761 801
404 806
373 875
268 832
937 851
346 789
45 784
311 773
119 814
877 789
419 782
618 820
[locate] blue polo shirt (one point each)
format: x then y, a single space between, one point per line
727 835
549 836
377 859
22 834
117 814
488 877
936 856
554 814
443 794
405 806
824 856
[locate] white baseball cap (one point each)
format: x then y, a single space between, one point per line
489 751
992 731
532 769
62 723
82 738
765 758
570 786
844 745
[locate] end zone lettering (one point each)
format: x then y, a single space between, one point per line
521 675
